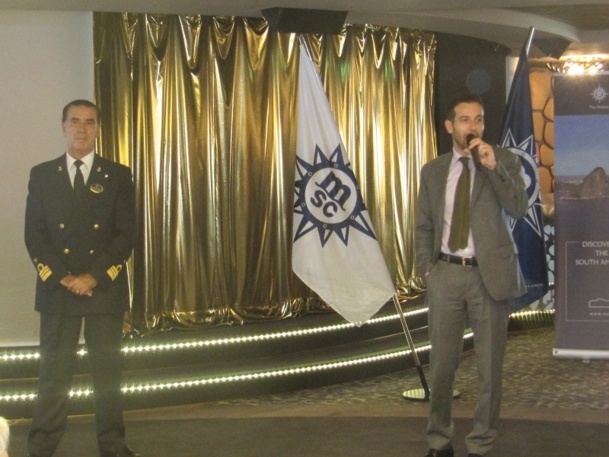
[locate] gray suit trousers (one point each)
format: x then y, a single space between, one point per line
457 297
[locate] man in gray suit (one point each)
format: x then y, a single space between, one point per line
469 282
79 232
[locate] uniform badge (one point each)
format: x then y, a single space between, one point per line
97 188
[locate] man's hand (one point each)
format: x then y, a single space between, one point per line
485 152
82 284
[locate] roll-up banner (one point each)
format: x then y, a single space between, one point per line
581 186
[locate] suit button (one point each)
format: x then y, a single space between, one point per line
62 226
66 251
92 251
96 227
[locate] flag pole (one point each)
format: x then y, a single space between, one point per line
414 394
529 40
303 42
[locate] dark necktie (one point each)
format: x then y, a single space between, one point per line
459 225
79 179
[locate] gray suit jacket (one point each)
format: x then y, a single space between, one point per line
495 195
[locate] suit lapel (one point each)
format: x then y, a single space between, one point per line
440 179
60 177
479 180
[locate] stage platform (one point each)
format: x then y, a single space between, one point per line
210 364
550 406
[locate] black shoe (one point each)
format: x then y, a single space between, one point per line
474 455
128 452
125 452
449 452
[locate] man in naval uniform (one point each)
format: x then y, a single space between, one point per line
79 233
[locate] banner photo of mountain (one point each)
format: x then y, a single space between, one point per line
582 215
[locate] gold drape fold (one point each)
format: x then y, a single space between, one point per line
203 110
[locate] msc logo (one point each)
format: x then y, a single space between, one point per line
328 198
328 194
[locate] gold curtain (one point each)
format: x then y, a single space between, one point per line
203 110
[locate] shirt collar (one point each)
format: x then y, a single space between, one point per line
457 156
86 160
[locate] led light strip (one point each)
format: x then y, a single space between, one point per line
267 374
528 313
18 357
260 337
158 386
145 348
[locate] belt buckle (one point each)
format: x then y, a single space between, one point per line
465 264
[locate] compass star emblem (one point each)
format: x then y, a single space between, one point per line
328 198
527 153
599 94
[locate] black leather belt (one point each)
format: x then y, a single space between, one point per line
463 261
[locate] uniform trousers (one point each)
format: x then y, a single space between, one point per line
59 336
457 297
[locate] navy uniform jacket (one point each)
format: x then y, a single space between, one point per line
67 235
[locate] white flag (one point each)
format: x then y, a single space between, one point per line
335 250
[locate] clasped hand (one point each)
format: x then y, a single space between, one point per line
82 284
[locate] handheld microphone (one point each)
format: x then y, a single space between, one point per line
475 154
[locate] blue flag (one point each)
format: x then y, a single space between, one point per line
518 136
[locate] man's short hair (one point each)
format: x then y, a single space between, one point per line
462 97
87 103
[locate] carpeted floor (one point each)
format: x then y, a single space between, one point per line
329 436
552 407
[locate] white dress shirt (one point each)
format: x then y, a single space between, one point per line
85 168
